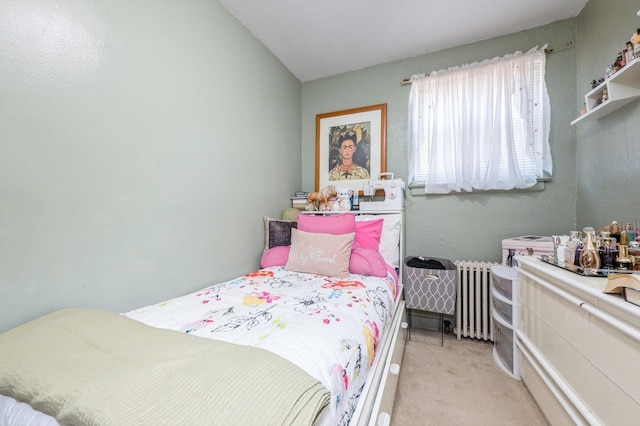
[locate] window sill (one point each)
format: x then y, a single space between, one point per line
418 190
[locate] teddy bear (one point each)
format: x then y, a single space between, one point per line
343 200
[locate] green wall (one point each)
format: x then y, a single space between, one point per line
141 143
463 226
608 150
137 138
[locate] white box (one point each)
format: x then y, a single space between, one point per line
527 245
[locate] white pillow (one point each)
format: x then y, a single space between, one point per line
389 237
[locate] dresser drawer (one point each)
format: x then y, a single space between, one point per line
502 279
502 306
503 344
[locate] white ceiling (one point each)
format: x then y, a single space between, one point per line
321 38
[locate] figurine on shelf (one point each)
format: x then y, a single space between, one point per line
605 95
609 71
629 52
343 199
635 40
596 83
618 63
319 201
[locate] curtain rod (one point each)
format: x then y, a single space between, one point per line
406 81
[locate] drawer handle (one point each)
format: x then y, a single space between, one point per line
394 369
404 325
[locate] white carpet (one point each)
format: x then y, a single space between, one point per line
458 384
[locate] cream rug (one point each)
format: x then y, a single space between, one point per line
458 384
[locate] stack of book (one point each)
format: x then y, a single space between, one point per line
626 284
631 295
299 200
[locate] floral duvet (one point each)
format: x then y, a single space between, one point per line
329 327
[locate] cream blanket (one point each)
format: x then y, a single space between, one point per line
88 367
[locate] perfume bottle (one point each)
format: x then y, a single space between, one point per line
623 261
561 243
570 250
615 230
607 245
589 258
578 252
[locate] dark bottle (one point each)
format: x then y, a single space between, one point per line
615 230
607 252
578 253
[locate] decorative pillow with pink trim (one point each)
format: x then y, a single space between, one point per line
322 254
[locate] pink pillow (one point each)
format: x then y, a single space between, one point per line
275 256
368 233
334 224
366 261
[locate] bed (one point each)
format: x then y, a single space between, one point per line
312 337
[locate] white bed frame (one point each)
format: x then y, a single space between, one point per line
375 404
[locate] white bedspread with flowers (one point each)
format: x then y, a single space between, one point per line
327 326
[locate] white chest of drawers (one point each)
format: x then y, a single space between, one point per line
579 349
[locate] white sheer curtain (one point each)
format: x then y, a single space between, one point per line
480 126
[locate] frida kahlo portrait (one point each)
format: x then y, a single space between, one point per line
350 152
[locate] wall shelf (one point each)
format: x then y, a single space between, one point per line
622 87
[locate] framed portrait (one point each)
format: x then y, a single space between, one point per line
351 146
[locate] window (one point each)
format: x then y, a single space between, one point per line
482 126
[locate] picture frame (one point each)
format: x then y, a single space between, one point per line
345 164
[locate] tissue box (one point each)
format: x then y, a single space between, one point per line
534 245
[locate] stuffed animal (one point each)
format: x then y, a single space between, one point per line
320 200
343 200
